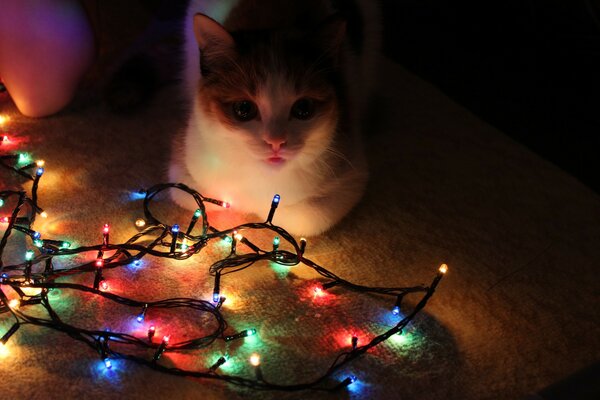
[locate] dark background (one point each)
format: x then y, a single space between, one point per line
528 67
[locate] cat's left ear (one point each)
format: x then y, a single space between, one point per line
209 32
330 34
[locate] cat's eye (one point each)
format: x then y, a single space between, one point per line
303 109
244 110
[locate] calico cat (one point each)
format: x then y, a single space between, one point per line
277 91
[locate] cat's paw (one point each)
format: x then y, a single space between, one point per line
304 219
179 174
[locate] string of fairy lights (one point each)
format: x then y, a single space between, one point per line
33 279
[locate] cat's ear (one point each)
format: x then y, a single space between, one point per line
330 34
209 32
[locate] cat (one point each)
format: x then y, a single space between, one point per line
277 90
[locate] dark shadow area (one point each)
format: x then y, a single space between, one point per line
528 67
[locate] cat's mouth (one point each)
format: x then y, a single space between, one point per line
276 160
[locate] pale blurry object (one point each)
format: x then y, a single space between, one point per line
45 49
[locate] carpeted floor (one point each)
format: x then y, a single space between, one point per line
517 311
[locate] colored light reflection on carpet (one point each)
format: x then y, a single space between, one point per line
153 326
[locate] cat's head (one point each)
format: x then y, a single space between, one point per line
276 93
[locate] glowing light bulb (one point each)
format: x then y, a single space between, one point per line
140 223
106 229
175 228
1 202
65 245
225 204
103 285
36 235
40 163
107 363
4 350
396 310
242 334
14 304
443 268
137 263
4 220
24 158
238 236
184 245
44 214
276 241
5 139
151 332
302 245
318 291
29 255
276 199
198 213
141 316
166 339
255 360
39 171
99 262
4 119
348 381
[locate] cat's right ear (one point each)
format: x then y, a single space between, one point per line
209 32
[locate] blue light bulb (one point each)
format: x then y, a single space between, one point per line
276 199
175 228
396 310
39 171
107 363
37 235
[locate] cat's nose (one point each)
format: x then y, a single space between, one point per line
276 143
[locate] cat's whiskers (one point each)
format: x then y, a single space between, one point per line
340 155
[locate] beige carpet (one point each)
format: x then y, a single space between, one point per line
517 311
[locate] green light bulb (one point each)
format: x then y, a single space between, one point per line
1 202
38 243
24 158
65 245
197 213
29 255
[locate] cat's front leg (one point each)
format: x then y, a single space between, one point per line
317 214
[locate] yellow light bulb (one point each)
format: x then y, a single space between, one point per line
3 350
44 214
30 291
14 304
4 119
40 163
140 223
443 268
255 360
238 236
